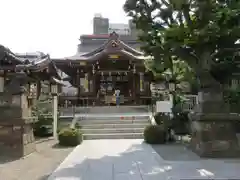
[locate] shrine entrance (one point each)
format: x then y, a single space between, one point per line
97 74
109 81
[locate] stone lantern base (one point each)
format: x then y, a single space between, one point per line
213 135
16 132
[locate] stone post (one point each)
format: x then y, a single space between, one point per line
55 117
213 134
54 91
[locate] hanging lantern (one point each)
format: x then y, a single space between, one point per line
93 70
66 103
134 69
86 82
171 86
141 81
152 87
2 79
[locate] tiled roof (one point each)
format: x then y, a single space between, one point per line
33 62
91 51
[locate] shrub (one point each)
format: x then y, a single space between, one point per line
181 123
164 120
155 134
43 127
161 118
70 137
78 126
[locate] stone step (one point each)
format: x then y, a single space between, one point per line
112 117
112 130
113 136
65 118
108 121
109 126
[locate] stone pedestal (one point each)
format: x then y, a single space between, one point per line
16 133
213 134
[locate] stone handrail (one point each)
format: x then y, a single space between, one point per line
152 120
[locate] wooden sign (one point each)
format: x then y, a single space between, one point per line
82 63
113 56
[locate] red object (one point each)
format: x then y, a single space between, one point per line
122 118
96 35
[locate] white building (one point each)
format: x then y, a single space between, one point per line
121 29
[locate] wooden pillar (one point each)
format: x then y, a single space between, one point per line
134 89
94 80
94 87
78 87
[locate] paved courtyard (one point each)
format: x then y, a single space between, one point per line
135 160
36 166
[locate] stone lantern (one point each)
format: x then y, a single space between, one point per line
134 69
16 133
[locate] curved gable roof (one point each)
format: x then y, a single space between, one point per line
112 45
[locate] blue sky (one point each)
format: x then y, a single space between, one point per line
52 26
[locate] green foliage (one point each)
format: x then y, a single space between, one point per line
163 119
232 97
178 71
181 123
70 137
43 127
42 108
155 134
77 126
201 33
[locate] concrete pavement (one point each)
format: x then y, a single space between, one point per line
135 160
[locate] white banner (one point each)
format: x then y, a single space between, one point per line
164 106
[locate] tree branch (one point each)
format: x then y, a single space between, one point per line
165 3
187 15
188 56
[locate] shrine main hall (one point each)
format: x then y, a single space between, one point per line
92 77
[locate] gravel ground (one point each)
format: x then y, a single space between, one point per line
36 166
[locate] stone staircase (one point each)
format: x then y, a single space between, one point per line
113 127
